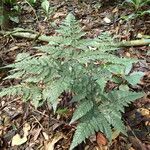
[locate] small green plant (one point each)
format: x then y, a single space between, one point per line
11 2
32 2
9 11
73 63
45 5
48 10
138 12
138 3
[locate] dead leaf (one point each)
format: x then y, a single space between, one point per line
13 48
45 135
26 129
128 54
137 144
102 148
147 123
58 14
115 10
107 20
17 140
101 139
50 145
131 148
145 112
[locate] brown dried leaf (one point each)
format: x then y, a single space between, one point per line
58 14
101 139
50 145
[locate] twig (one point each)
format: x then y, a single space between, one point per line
134 43
45 38
38 122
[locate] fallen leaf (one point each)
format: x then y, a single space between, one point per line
128 54
58 14
26 129
139 35
101 139
17 140
147 123
145 112
50 145
115 10
45 135
137 144
13 48
107 20
131 148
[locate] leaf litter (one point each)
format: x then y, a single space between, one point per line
49 131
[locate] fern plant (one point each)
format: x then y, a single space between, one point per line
73 63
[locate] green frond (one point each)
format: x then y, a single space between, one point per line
92 122
114 119
84 107
13 90
54 90
25 91
110 116
15 75
90 56
123 98
70 28
104 43
51 50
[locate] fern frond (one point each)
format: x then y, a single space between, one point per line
53 51
27 92
84 107
102 119
16 75
92 122
54 90
13 90
121 99
87 57
105 43
114 118
33 69
70 28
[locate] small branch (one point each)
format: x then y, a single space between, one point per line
45 38
140 42
27 35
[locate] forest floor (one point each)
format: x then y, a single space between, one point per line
46 131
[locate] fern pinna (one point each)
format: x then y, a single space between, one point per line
73 63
